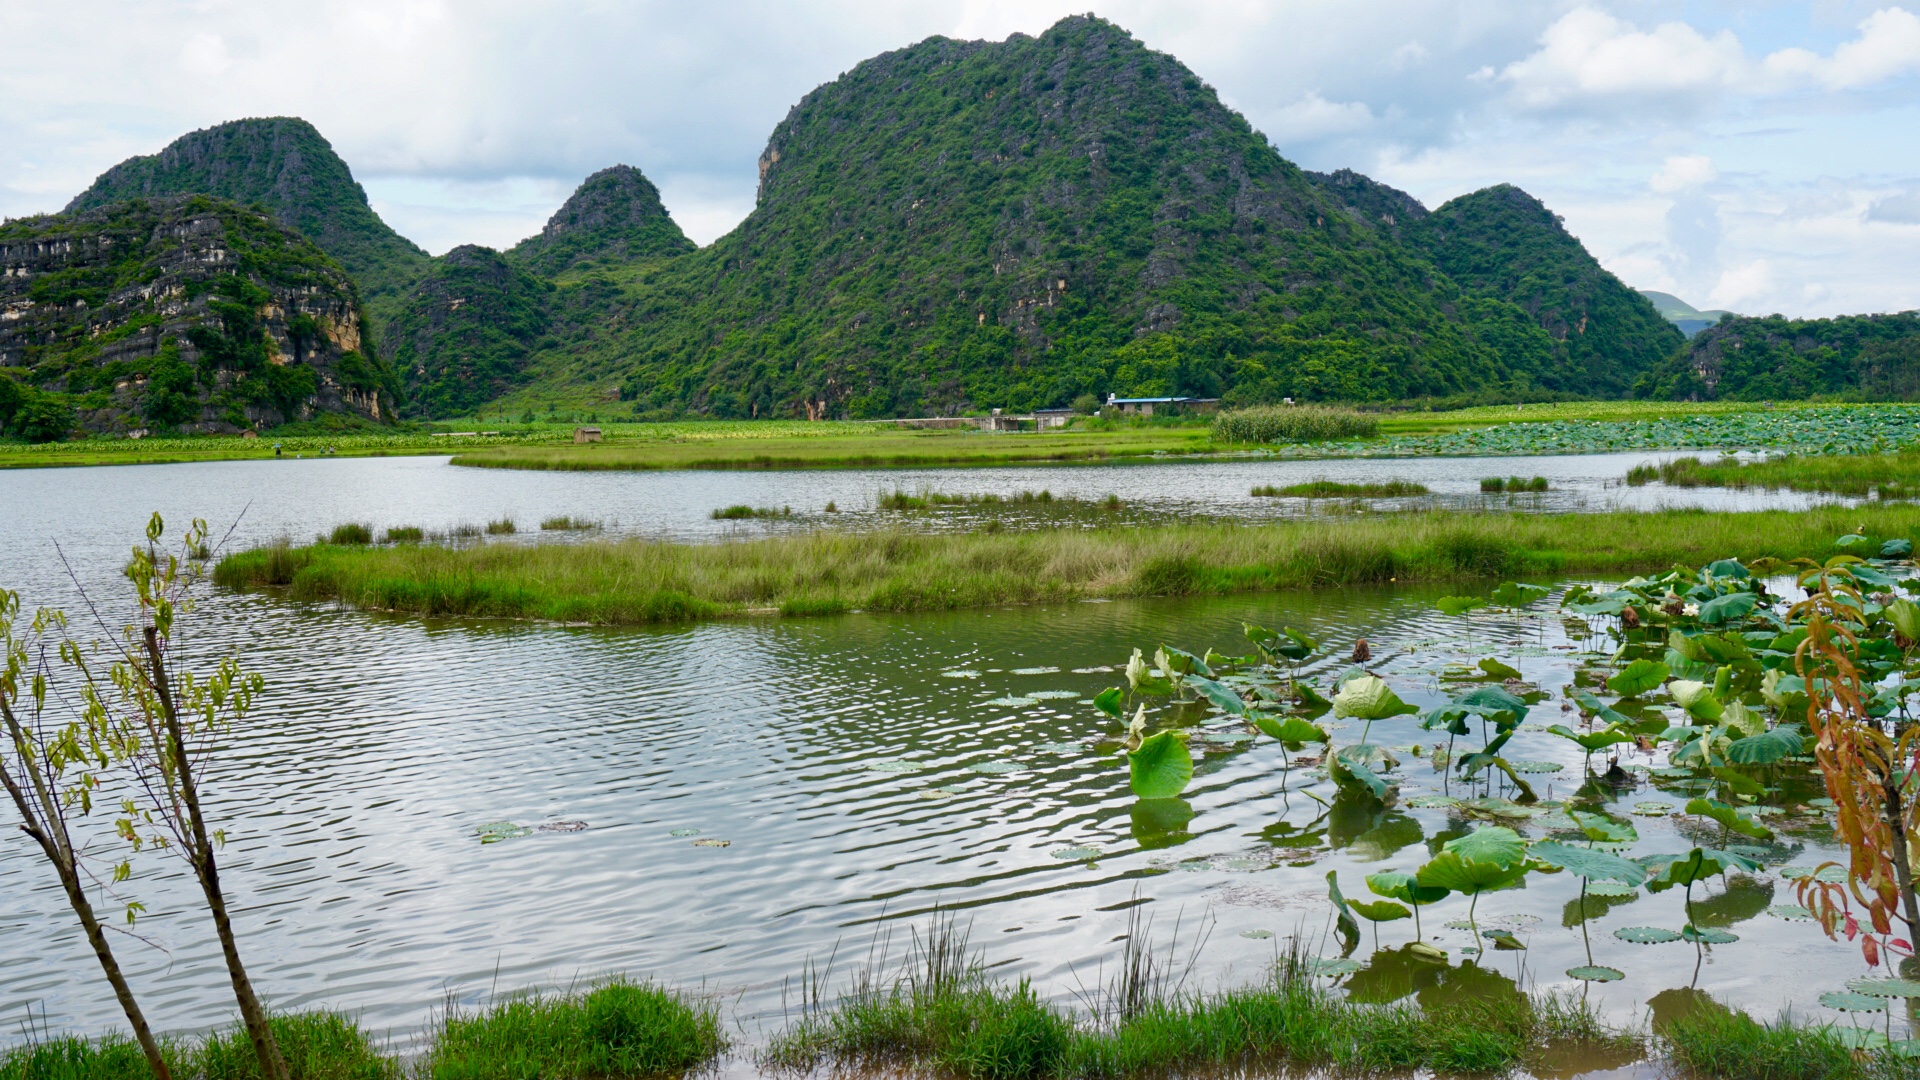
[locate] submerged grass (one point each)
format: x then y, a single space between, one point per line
1333 489
637 581
1889 476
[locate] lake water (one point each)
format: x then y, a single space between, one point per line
858 784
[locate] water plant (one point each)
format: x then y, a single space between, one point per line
1513 484
620 1029
743 512
404 534
564 523
500 527
1333 489
1292 424
351 533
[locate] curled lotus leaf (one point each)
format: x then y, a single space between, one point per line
1504 940
1729 817
1602 829
1292 729
1142 678
1379 911
495 831
1219 694
1395 885
1611 889
1646 935
1782 742
1846 1001
1728 608
1108 701
1638 678
1591 741
1498 670
1886 988
1697 698
1161 768
1368 697
1596 974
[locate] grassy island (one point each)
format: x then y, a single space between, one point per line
616 582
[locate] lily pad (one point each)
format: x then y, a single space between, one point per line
1226 738
710 842
563 826
1596 974
960 673
1850 1002
1535 766
1646 935
1854 1038
1246 864
1322 965
933 793
1790 912
684 832
996 768
1009 702
1832 875
894 766
1257 935
1886 988
1035 671
495 831
1054 695
1060 748
1429 802
1075 854
1709 935
1611 888
1652 809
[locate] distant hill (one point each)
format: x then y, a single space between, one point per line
613 217
1864 357
285 165
1682 314
186 314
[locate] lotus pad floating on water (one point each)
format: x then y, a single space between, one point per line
495 831
1854 1038
1035 671
684 832
1010 702
1708 935
1432 801
895 766
1851 1002
1790 912
1886 988
1646 935
1060 748
1832 875
1075 854
1053 695
1611 888
995 768
1321 965
563 826
1536 766
1226 738
960 673
1652 809
1596 974
1257 935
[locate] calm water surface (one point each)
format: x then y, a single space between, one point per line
859 786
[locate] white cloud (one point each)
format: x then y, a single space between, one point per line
1898 209
1888 47
1589 53
1314 117
1683 173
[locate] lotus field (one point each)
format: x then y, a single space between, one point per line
1770 703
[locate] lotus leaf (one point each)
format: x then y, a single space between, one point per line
1590 864
1535 767
1697 698
1218 693
1652 809
1610 889
1707 935
1790 912
1646 935
1143 680
1257 935
1075 854
1730 817
1003 767
1512 594
1728 608
1161 768
1854 1038
1886 988
1108 701
1505 941
1729 569
1292 730
1362 763
1602 829
1458 605
1591 741
1850 1002
1395 885
1428 802
1498 670
1448 870
1345 926
1327 966
1604 712
1896 549
1596 974
1638 677
1698 865
1853 544
1172 660
1495 703
1368 697
495 831
1782 742
1379 911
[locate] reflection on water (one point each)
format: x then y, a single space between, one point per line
855 782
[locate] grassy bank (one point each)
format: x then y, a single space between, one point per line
1890 476
631 581
871 446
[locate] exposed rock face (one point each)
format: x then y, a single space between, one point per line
466 331
284 164
1369 200
191 314
614 216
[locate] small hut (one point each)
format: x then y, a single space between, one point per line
586 434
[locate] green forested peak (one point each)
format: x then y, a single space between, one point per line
286 165
615 215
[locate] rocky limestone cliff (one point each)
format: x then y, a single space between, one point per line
191 314
467 328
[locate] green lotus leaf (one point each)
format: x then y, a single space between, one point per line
1591 741
1395 885
1730 817
1646 935
1697 698
1638 677
1886 988
1515 595
1292 730
1161 768
1853 544
1448 870
1379 911
1345 927
1369 698
1362 763
1728 569
1696 866
1430 802
1218 693
1782 742
1854 1038
1499 706
1458 605
1108 701
1498 670
1596 974
1604 712
1728 608
1491 844
1850 1002
1790 912
1589 863
1142 678
1896 549
1179 660
1708 935
1602 829
1505 941
1329 966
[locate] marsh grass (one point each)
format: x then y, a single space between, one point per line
1293 424
840 446
351 533
940 1010
1513 484
1333 489
1886 476
618 1030
502 527
316 1045
404 534
927 498
1727 1045
568 524
895 570
743 512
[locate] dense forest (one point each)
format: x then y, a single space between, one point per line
961 225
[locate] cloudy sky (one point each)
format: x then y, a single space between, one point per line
1756 156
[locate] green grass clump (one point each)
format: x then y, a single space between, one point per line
619 1030
568 524
502 527
1495 484
1887 476
351 533
639 581
316 1046
1716 1042
404 534
1293 424
1333 489
69 1057
743 512
901 500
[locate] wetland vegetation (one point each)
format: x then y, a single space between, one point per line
637 581
1885 476
1334 489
